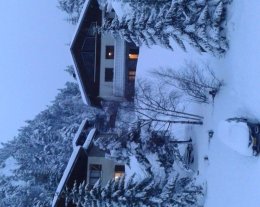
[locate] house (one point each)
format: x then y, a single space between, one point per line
86 164
105 66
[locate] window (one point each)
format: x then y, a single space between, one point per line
94 173
119 171
131 75
133 54
109 52
109 73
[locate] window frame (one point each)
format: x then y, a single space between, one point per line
131 75
110 48
119 171
133 54
109 77
97 168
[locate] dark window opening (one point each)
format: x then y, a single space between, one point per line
109 74
109 52
133 54
95 172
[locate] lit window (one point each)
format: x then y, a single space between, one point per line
95 172
109 73
119 171
109 52
133 54
131 75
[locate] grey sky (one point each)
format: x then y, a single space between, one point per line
33 56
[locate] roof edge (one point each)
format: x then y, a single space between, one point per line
81 17
67 172
84 96
80 82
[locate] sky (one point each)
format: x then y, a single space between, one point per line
34 52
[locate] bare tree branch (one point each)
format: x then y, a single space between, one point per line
198 83
153 104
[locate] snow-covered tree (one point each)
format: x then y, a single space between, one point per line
70 69
42 149
182 192
72 8
198 23
142 3
178 191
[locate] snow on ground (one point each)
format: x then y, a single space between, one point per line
235 135
230 173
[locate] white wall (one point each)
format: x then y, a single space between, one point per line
119 72
106 88
108 168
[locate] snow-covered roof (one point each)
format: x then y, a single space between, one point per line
77 135
80 20
89 139
83 12
66 174
73 159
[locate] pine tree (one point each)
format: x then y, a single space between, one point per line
178 191
198 23
117 193
42 149
72 8
182 192
146 3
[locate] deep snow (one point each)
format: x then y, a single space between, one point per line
231 173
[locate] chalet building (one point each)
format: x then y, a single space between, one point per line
105 66
86 164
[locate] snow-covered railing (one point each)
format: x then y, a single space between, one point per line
89 139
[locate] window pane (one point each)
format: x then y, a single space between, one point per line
133 54
95 172
120 168
95 167
109 73
109 52
118 175
119 171
131 75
